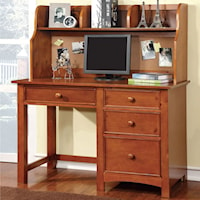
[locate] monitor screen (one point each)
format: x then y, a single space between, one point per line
107 54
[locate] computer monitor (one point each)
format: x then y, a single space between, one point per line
107 54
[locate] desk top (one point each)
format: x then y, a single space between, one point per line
91 82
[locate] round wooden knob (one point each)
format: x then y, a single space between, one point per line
131 99
58 95
131 156
131 123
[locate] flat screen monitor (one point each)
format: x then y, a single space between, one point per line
108 55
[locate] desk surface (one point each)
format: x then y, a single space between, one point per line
91 82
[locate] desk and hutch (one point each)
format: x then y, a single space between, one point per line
141 129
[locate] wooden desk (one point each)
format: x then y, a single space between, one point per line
141 130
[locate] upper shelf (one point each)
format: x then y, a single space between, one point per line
158 32
128 18
118 29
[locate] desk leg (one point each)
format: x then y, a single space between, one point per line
22 137
100 141
51 137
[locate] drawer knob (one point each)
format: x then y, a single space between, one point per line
131 123
131 156
131 99
58 95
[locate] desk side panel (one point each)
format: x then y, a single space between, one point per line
177 134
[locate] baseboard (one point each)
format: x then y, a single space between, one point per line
8 157
77 165
193 173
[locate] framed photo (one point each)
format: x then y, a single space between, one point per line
57 14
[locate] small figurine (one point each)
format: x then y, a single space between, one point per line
143 22
157 21
63 62
55 69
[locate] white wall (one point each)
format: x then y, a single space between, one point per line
193 91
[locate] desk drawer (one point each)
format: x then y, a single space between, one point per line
132 123
133 156
137 98
61 95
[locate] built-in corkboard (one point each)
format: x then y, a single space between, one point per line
76 59
137 63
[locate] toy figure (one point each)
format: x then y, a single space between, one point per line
63 61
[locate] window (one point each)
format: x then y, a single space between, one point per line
14 61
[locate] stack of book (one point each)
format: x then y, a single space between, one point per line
104 13
150 78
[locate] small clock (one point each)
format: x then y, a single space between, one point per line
70 22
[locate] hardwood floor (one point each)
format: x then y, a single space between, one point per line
84 182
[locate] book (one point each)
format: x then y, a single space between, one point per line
152 76
108 14
149 84
103 13
114 13
96 13
148 81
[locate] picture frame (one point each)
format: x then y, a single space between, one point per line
57 14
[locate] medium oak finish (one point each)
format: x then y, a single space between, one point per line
134 140
141 129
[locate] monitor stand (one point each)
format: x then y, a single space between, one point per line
109 77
